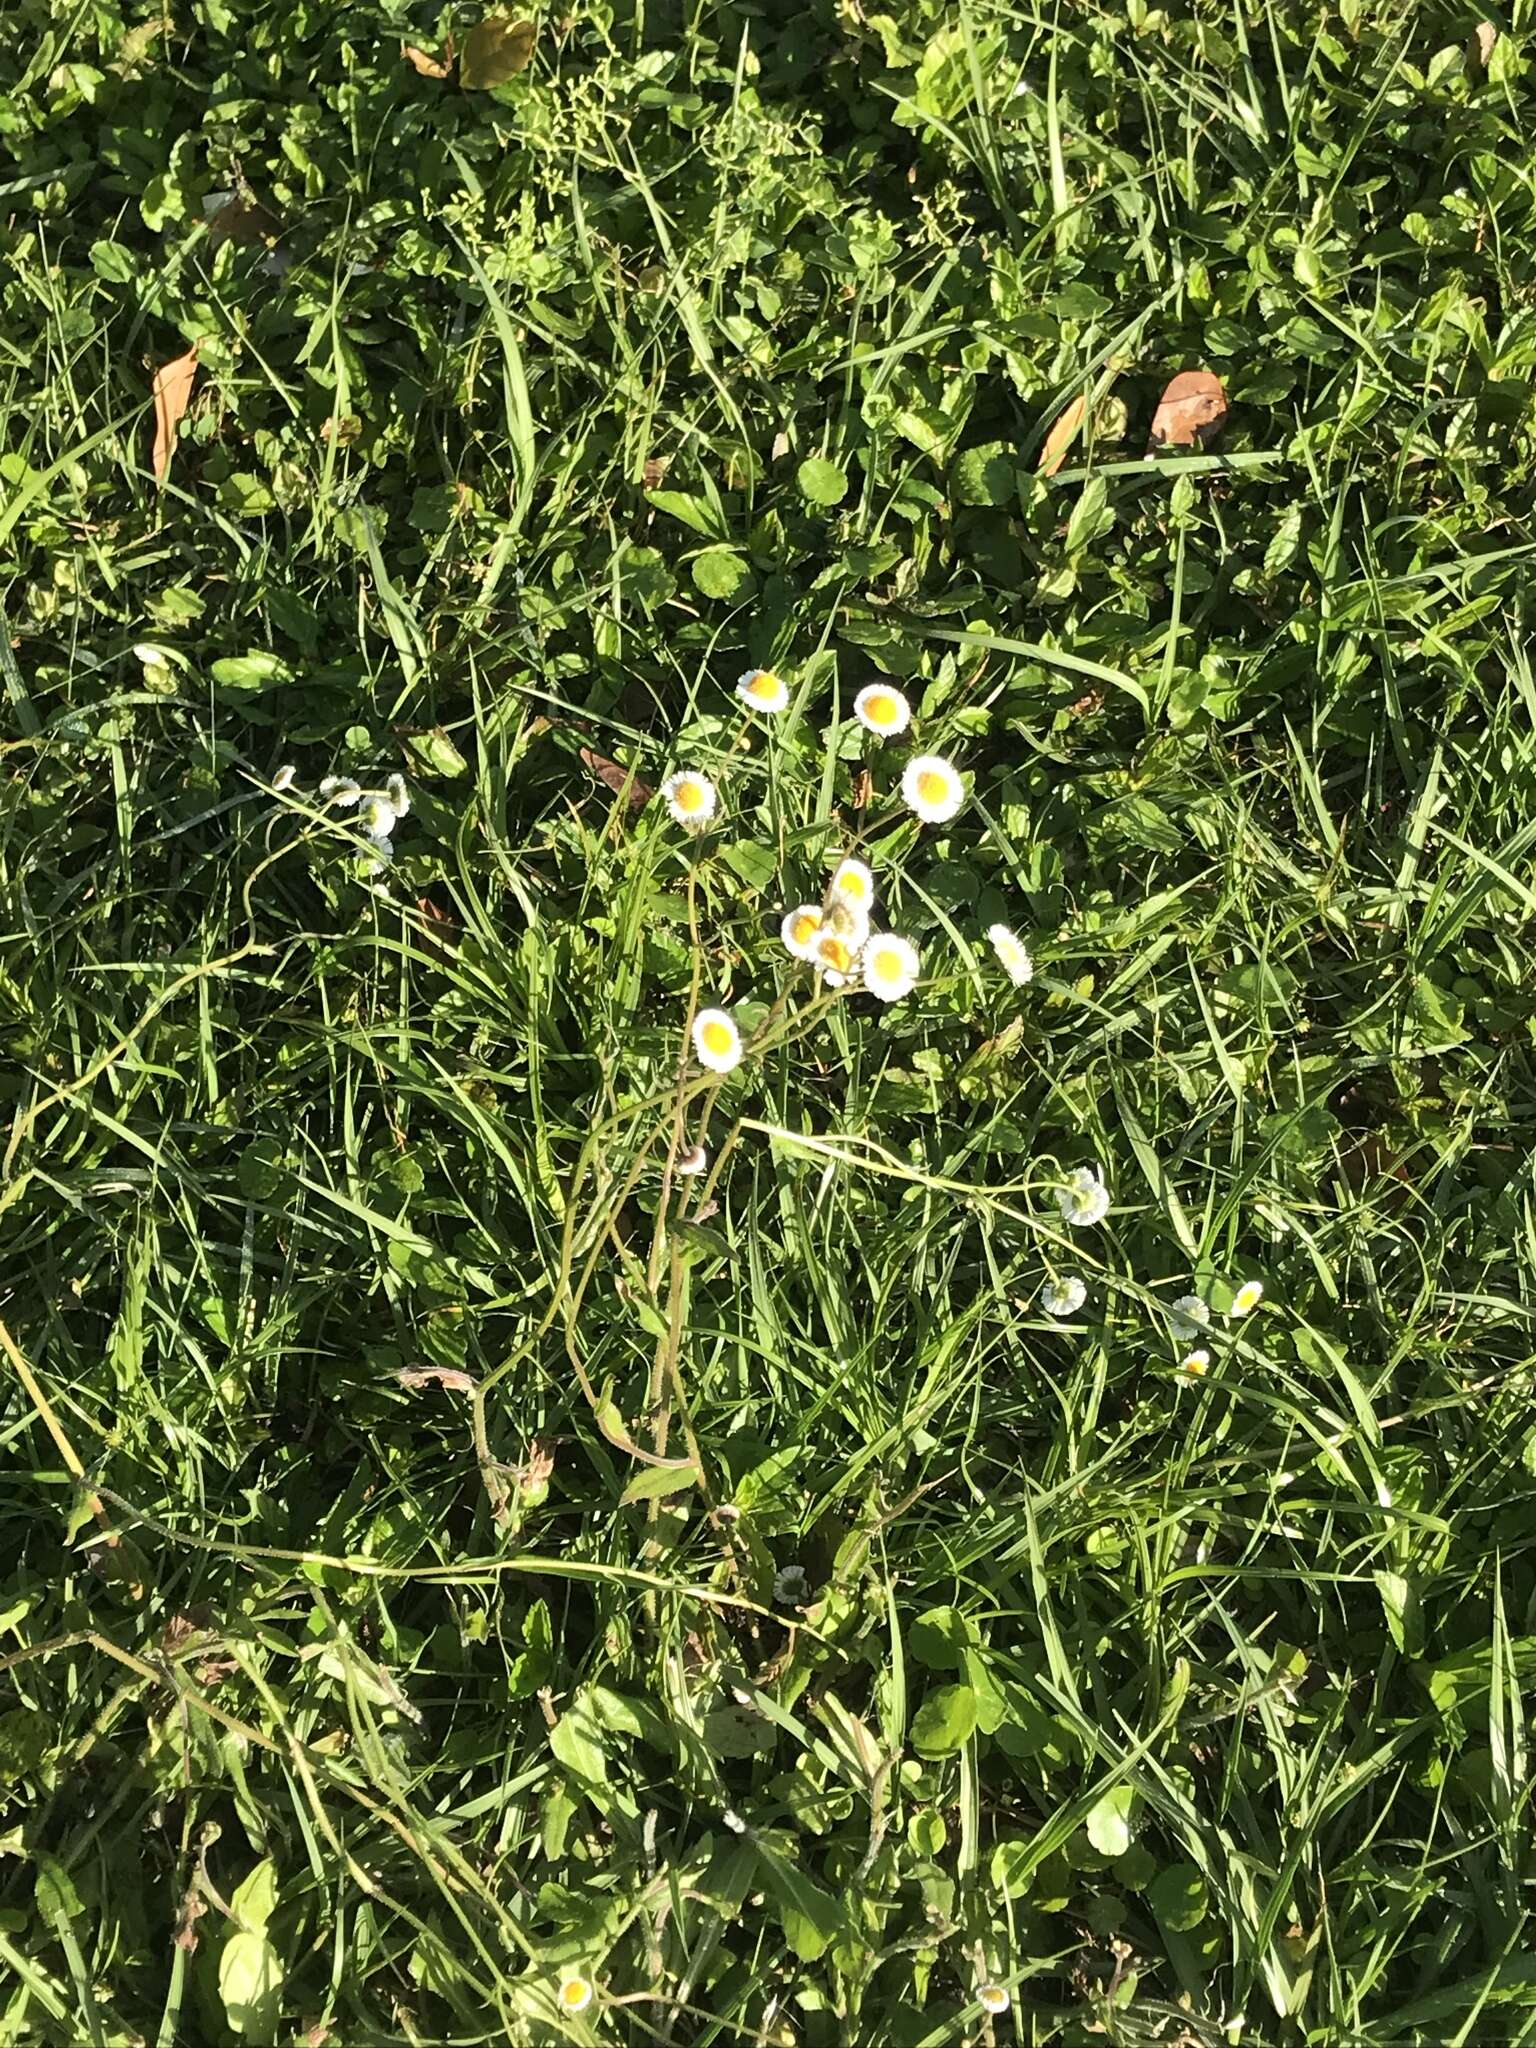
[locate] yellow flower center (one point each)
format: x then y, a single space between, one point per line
836 955
888 964
690 796
804 929
932 787
575 1992
717 1036
880 709
852 884
764 684
1194 1365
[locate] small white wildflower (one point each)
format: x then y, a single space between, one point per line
1188 1316
881 708
763 690
853 882
575 1992
799 928
1064 1296
1012 953
283 778
993 1998
837 958
734 1821
377 817
1083 1198
1195 1364
716 1040
789 1586
932 788
1246 1299
890 966
691 798
693 1161
341 791
398 794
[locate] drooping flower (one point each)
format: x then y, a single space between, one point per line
932 788
691 798
341 791
398 794
1064 1295
1012 953
889 965
763 690
799 929
1188 1316
283 777
789 1586
1083 1198
1246 1299
836 958
881 708
848 920
716 1040
693 1161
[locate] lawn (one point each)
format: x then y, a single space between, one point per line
513 1532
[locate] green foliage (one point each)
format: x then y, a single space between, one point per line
360 1681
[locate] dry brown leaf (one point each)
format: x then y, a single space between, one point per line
1189 413
1061 437
436 1376
538 1467
193 1907
173 393
495 50
618 779
428 66
655 470
1480 44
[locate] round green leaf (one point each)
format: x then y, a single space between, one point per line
1177 1896
721 572
822 482
944 1720
1109 1822
983 476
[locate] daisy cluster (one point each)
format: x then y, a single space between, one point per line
838 936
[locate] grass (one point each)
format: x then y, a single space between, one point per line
444 1551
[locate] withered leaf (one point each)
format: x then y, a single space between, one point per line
538 1467
618 779
1189 413
495 50
436 1375
1480 45
173 393
427 65
1061 437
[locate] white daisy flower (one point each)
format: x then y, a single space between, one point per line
1083 1198
881 708
691 1162
789 1587
716 1040
854 883
1195 1364
932 787
376 817
575 1992
763 690
799 929
1012 953
398 794
341 791
691 798
890 966
1064 1296
837 958
1246 1299
283 777
993 1998
1188 1316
